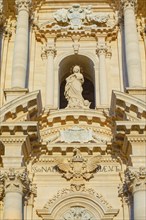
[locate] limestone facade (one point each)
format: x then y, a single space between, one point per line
72 110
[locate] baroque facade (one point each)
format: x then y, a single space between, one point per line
73 110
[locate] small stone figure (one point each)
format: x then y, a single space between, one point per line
73 90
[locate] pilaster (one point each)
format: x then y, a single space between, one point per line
49 53
102 52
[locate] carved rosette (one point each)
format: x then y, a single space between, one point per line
128 4
135 180
14 180
23 5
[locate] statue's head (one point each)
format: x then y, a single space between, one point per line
76 69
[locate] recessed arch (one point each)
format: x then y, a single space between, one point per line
88 71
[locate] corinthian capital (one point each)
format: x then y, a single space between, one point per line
48 51
15 180
135 179
101 49
128 3
23 5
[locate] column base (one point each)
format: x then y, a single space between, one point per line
138 92
11 94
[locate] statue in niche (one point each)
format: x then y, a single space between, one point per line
73 90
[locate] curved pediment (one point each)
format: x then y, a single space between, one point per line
23 108
127 107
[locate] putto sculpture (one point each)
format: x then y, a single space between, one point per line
73 90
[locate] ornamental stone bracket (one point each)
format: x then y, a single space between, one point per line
77 20
88 199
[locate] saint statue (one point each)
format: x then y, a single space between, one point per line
73 90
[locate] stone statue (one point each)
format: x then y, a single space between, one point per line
73 90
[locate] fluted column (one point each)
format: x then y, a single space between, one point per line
135 181
16 185
49 52
103 87
20 57
133 60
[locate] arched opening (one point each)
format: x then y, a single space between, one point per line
87 69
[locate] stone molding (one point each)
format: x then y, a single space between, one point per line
15 180
23 5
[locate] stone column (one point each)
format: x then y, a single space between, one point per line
133 60
16 185
103 87
20 57
49 52
135 181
